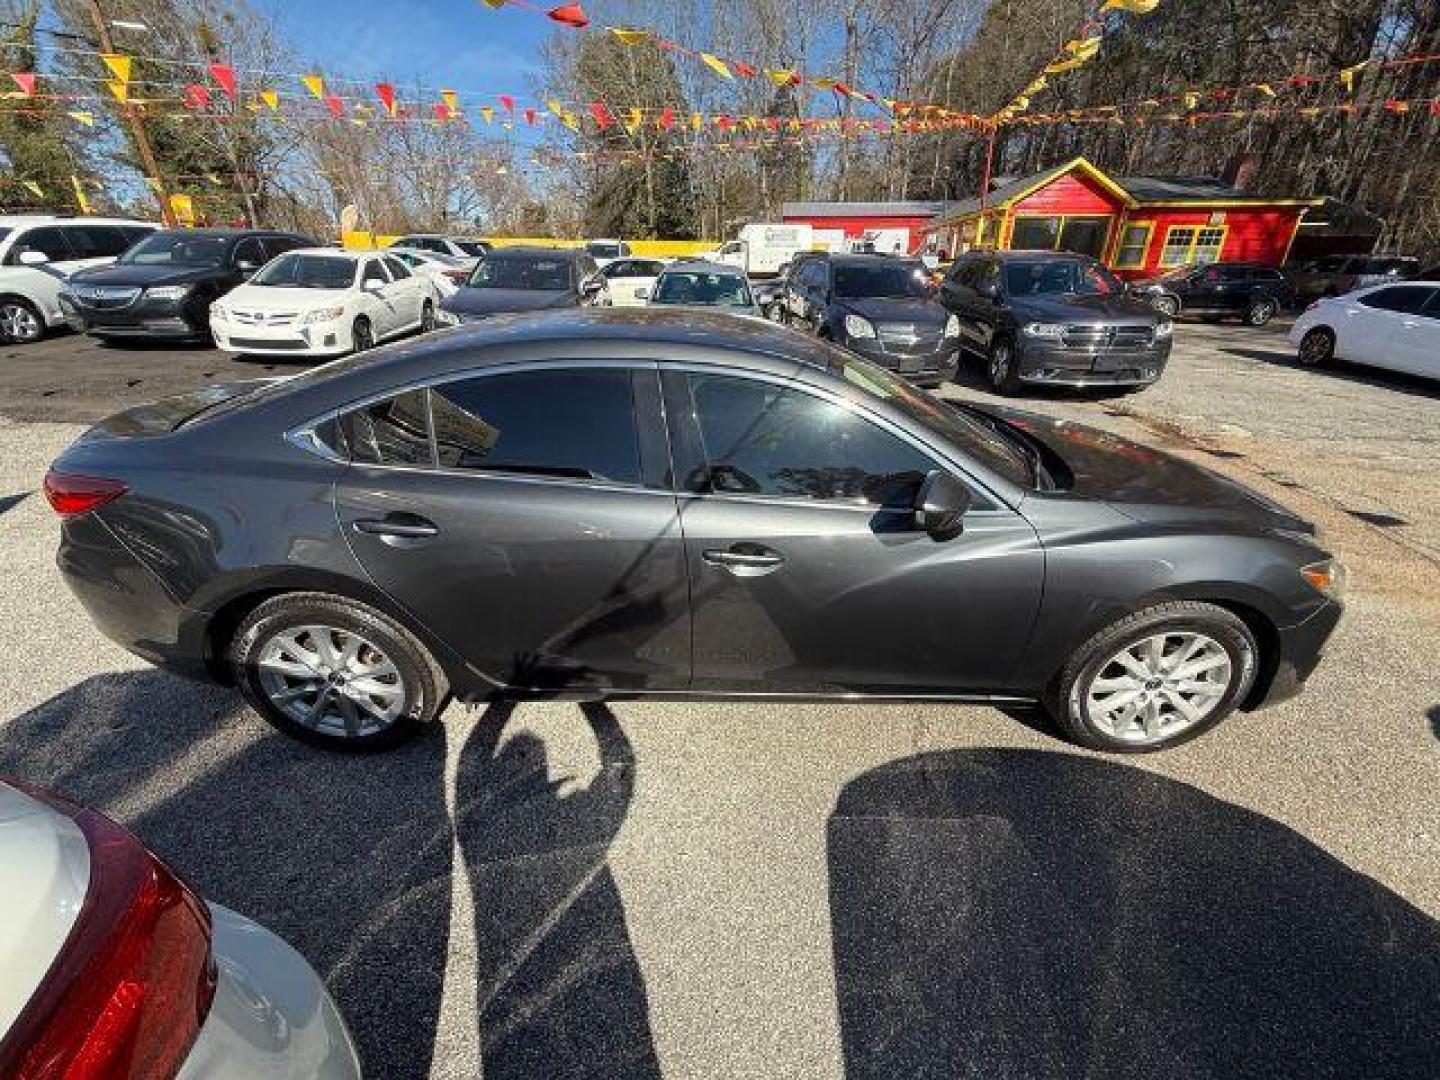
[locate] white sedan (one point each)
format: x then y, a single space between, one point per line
631 280
1394 326
324 302
448 272
110 965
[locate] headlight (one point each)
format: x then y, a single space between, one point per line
1164 329
856 327
322 314
1328 577
168 292
952 327
1053 331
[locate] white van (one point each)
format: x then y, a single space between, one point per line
762 248
39 251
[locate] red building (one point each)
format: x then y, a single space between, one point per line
857 219
1140 226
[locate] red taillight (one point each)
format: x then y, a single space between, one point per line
70 495
133 982
460 277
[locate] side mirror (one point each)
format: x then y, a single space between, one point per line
940 505
33 258
373 284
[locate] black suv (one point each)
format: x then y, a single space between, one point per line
163 286
1254 292
1050 318
878 306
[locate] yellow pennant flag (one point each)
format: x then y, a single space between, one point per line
450 99
824 82
749 123
315 84
1135 7
1266 89
120 90
1191 100
715 64
556 108
183 207
636 118
80 200
86 118
782 77
270 98
34 188
487 114
1055 67
119 65
696 121
1347 75
494 3
1083 48
630 35
1036 86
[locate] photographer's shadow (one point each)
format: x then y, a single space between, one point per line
1034 914
559 990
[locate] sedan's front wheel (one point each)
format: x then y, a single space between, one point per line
1003 369
1155 679
334 672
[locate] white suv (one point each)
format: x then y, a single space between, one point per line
39 251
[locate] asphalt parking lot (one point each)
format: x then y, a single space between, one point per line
819 891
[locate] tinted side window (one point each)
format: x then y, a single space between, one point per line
398 270
578 424
46 239
391 432
1406 299
374 269
1234 274
97 241
248 250
763 439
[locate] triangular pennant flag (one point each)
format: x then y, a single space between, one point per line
452 101
571 15
119 65
386 93
1265 89
34 188
507 103
487 114
197 96
696 121
441 110
1134 7
1347 75
742 68
667 118
637 117
119 89
1396 106
783 77
601 114
556 108
224 74
271 99
530 117
1083 48
315 84
25 80
80 200
335 105
86 118
494 3
630 35
715 64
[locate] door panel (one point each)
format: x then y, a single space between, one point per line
1362 334
1415 346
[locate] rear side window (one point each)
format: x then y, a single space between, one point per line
97 241
47 239
767 440
573 424
395 431
1406 299
398 270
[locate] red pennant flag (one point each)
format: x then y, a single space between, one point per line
225 76
601 114
773 123
335 105
25 80
724 122
1435 107
508 102
741 68
571 15
667 118
665 46
442 111
197 96
530 117
386 93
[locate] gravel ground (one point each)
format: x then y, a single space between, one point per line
816 891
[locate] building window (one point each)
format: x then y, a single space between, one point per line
1192 244
1082 235
1134 243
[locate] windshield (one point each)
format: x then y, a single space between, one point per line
178 249
603 251
867 281
1005 456
472 247
307 272
522 272
1067 276
707 290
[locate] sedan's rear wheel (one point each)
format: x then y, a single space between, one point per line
1317 347
1156 679
427 317
1260 311
20 321
1003 369
362 337
334 672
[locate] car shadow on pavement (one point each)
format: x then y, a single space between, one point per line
559 991
1414 385
1433 715
1038 914
9 502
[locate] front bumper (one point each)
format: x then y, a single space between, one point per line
1053 364
923 362
271 1016
1301 648
285 339
141 318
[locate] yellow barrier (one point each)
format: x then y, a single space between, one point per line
653 249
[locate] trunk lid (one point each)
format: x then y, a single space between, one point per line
165 415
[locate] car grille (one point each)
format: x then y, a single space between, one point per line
269 343
907 339
1107 338
263 318
105 297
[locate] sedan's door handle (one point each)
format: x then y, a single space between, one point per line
403 526
744 560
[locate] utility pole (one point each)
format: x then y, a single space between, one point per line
132 118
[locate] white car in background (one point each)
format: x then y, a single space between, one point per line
323 302
448 272
1396 327
461 247
631 280
111 966
39 251
606 251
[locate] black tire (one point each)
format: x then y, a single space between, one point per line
1261 310
1002 369
425 690
1066 702
20 321
362 337
1167 305
1317 347
427 317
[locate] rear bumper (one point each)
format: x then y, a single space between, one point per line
1301 648
1055 365
271 1016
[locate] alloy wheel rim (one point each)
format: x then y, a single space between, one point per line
1159 686
1262 312
362 338
427 319
1312 349
332 681
19 322
999 364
